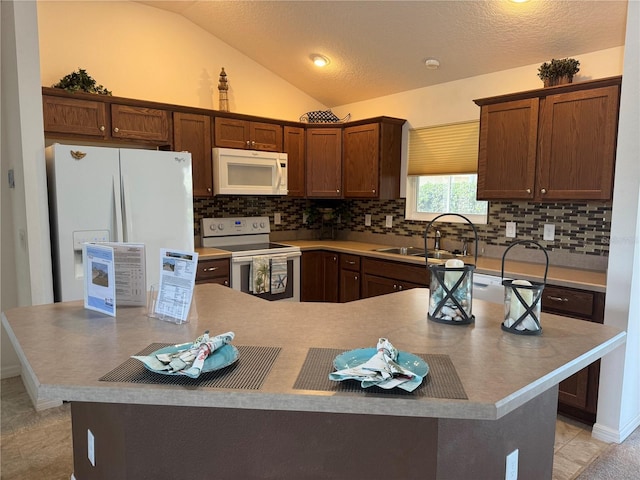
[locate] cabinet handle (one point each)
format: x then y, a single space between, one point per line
102 129
116 129
395 287
351 262
356 277
544 190
253 143
557 299
399 287
373 191
248 143
528 190
210 269
337 190
209 189
226 283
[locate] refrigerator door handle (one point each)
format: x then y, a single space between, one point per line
127 211
118 209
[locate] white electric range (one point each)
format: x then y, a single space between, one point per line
247 238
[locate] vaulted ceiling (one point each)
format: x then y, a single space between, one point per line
377 48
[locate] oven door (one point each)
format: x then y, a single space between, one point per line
240 278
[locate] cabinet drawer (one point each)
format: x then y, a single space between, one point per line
579 303
349 262
209 269
416 274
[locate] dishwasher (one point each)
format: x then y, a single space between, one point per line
488 288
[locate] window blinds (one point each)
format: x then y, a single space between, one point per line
444 149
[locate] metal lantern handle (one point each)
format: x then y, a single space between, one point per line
527 242
475 233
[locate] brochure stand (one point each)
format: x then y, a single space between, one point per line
152 298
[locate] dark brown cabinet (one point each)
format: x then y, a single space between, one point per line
551 144
578 394
349 277
371 159
213 271
236 133
294 147
319 276
380 277
192 133
324 162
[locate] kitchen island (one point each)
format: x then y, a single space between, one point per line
279 429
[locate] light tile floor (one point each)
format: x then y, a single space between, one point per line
46 450
574 448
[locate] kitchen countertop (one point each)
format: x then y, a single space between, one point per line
67 348
592 280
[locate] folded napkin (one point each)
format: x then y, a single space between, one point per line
278 273
188 360
381 370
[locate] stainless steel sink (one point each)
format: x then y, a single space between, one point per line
415 251
439 254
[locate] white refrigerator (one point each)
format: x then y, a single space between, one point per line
115 195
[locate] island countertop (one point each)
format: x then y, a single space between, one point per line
67 349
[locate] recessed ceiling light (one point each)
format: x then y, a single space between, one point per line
319 60
432 63
519 1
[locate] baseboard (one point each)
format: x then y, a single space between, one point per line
10 371
609 435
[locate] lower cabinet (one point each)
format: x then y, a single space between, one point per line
319 276
382 276
213 271
349 278
578 394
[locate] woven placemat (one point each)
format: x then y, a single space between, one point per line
247 373
442 381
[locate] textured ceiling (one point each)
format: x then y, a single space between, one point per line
379 47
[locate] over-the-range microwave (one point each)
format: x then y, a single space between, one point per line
249 172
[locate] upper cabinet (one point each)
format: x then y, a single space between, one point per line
371 159
105 118
551 144
192 133
324 162
294 147
236 133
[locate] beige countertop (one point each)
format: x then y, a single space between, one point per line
562 276
66 349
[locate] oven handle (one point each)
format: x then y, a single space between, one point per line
247 258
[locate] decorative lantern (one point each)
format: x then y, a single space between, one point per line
522 299
223 87
451 286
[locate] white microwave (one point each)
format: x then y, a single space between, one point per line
249 172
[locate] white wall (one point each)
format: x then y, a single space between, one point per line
619 395
26 256
142 52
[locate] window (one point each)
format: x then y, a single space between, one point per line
442 173
431 195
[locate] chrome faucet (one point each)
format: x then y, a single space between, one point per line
465 247
436 246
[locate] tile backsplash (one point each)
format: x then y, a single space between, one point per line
580 227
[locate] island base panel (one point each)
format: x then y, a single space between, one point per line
163 442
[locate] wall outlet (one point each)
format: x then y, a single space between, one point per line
389 221
277 218
549 232
91 447
511 230
511 470
367 220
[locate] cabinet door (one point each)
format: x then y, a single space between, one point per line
294 148
75 117
373 285
265 136
577 144
231 133
319 277
507 150
324 162
361 160
140 123
349 285
192 133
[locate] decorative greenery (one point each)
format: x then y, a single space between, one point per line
80 81
566 67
